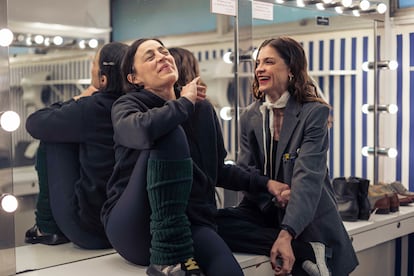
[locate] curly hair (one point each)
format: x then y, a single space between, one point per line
301 86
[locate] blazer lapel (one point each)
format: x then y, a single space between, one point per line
290 121
257 122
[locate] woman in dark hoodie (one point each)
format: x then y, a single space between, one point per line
76 157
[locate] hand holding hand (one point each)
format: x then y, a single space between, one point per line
280 190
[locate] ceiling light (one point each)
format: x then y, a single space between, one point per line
320 6
300 3
339 10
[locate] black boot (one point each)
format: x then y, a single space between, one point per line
346 193
363 201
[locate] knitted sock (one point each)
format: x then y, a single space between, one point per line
169 186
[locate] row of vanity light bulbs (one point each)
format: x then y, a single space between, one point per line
340 6
7 38
9 121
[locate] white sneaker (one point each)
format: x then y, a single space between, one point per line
320 268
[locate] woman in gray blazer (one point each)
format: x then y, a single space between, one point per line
284 135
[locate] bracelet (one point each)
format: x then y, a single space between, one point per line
288 229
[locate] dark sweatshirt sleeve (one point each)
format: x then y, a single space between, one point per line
60 122
137 127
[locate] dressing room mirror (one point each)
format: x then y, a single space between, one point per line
336 46
42 74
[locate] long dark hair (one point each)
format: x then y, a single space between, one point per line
128 63
110 59
300 86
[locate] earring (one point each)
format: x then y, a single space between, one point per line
290 78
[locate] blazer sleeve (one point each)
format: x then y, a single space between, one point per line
309 169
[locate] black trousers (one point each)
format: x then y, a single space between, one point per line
128 225
246 229
63 172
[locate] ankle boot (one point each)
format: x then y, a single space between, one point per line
346 193
363 202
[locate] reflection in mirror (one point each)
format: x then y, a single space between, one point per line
336 46
41 74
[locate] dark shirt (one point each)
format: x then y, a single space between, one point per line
140 117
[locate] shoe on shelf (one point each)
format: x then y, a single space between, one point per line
403 200
320 268
34 235
186 268
400 189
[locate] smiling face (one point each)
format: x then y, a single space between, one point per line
154 68
272 72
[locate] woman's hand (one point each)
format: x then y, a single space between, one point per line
194 91
87 92
282 250
280 190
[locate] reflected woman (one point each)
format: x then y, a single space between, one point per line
75 158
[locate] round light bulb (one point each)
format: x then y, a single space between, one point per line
365 66
364 5
93 43
392 64
339 10
38 39
381 8
320 6
255 53
365 151
346 3
57 40
356 13
392 108
10 121
365 108
392 153
227 58
6 37
9 203
225 113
